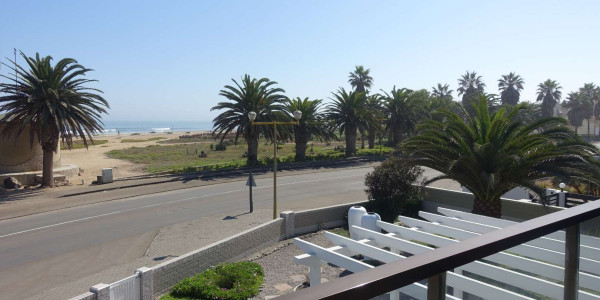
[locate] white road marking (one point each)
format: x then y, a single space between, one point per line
163 203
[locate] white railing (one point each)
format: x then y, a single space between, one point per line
526 267
126 289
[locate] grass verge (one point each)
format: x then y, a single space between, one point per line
78 144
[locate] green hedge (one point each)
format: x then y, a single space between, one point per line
235 281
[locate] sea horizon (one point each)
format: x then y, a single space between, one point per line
115 126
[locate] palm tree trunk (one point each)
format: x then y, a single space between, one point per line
396 137
301 141
252 141
362 140
48 166
49 141
588 131
351 141
371 137
488 208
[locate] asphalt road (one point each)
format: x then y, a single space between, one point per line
62 245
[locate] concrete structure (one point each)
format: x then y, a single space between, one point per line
18 155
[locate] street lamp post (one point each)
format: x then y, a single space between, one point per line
297 116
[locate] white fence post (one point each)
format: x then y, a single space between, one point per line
288 217
102 291
146 284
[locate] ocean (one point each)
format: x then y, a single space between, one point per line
113 127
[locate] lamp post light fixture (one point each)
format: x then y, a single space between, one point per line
252 117
562 186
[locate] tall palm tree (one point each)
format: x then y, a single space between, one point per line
360 79
257 95
441 91
311 125
404 108
510 87
375 106
549 93
590 94
579 109
470 87
349 113
54 102
492 153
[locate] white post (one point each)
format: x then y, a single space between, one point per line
102 291
562 199
458 293
315 271
395 294
146 284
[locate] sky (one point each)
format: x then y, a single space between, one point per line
168 60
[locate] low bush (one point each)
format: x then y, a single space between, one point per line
395 187
235 281
78 144
221 147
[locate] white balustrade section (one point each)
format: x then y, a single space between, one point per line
554 272
585 240
537 266
126 289
533 249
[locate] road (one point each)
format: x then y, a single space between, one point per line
44 250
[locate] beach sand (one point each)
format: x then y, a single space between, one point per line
94 159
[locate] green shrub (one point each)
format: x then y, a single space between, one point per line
394 187
221 147
236 281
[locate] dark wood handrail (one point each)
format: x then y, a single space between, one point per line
389 277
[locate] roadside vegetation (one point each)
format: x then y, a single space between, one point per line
142 140
228 281
79 144
181 158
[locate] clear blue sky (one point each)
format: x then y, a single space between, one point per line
167 60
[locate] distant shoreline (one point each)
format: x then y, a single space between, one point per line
149 133
129 127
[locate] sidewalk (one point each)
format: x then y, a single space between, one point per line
14 204
168 243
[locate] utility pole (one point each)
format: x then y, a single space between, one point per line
15 62
251 183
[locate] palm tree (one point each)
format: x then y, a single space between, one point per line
442 92
257 95
360 79
492 153
375 106
311 124
349 113
549 93
470 87
590 94
404 108
54 102
579 109
510 87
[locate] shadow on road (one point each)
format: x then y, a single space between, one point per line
234 217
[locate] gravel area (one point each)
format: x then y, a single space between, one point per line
282 274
